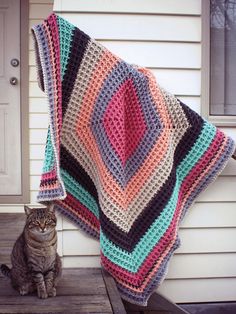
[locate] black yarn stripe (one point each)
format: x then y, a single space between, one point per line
70 164
78 46
151 212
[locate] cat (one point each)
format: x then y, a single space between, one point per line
35 262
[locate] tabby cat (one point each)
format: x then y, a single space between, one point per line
35 262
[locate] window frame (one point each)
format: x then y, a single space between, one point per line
219 120
24 197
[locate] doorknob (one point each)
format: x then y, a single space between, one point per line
13 80
15 62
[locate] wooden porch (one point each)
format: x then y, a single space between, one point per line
80 290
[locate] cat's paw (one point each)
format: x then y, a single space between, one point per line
52 292
42 294
23 290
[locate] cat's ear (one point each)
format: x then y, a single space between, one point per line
51 208
28 210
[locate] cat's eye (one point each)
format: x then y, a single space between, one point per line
49 221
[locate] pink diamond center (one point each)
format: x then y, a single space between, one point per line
124 122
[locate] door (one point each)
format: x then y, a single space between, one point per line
10 128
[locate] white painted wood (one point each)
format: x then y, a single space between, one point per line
81 261
10 138
38 121
157 54
221 190
82 244
35 91
38 105
33 197
42 1
179 82
130 6
210 215
60 243
127 26
38 136
192 102
6 208
215 240
40 10
34 182
36 167
151 54
37 152
184 266
199 290
230 169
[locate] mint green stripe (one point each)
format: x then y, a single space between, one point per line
75 189
65 33
132 261
49 158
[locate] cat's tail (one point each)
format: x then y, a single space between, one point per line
5 270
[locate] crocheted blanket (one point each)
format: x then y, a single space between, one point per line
124 158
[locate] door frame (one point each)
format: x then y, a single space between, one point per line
24 108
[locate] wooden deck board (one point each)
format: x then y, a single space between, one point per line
79 291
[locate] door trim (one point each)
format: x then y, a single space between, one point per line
24 103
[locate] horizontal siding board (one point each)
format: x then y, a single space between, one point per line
221 190
129 6
215 240
38 105
38 136
157 54
193 102
35 91
34 182
40 10
127 27
36 167
199 290
81 261
184 266
42 1
38 121
210 215
147 54
230 169
81 244
37 152
172 80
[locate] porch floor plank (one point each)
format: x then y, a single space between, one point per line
79 291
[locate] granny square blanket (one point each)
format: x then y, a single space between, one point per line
124 158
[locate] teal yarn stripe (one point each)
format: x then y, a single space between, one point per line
161 224
75 189
65 34
49 158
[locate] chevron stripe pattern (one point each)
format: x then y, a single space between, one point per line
124 158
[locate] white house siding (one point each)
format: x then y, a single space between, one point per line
164 36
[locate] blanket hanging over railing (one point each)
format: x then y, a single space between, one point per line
124 159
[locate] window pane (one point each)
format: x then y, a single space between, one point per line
223 57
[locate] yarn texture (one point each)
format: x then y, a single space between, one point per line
124 158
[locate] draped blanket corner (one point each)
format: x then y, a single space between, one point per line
124 159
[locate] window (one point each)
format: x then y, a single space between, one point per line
219 61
